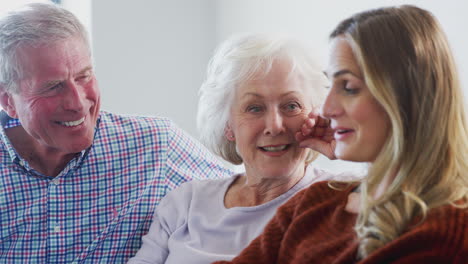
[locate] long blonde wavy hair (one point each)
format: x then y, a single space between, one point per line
409 68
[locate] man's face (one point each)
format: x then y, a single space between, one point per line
58 99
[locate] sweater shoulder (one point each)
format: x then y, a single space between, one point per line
320 196
442 237
445 223
327 191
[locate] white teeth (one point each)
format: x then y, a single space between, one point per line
272 149
73 123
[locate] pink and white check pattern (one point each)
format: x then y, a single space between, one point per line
99 206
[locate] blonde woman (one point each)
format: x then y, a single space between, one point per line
396 103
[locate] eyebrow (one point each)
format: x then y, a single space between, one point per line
342 72
89 68
50 84
261 96
55 82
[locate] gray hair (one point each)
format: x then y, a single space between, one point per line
236 61
34 24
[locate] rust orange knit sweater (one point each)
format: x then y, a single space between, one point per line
313 227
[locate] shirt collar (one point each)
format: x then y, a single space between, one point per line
8 122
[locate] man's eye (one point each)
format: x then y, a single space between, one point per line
55 87
84 77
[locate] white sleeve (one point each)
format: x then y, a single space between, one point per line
169 215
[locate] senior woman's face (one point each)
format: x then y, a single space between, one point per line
361 124
266 113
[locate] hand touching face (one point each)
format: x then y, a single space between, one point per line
317 134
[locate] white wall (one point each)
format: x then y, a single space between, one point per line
312 21
81 9
151 55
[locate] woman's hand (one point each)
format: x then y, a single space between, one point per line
316 134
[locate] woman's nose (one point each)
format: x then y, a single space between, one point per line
331 106
274 123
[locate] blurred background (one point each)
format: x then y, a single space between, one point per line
151 55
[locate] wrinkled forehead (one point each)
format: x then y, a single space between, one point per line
46 56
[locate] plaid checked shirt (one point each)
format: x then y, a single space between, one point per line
99 206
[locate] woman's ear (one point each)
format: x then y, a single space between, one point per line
229 134
6 100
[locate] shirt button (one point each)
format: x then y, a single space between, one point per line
57 228
56 181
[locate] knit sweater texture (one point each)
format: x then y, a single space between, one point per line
314 227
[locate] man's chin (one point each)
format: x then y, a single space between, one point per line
76 148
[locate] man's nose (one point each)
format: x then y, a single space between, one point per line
73 97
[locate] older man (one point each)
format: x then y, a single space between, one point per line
77 184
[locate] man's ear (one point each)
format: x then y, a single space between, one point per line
6 100
229 134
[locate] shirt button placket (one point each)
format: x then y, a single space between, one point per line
55 228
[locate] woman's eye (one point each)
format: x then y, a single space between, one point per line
254 109
292 107
349 90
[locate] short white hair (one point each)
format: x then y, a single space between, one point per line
236 61
34 24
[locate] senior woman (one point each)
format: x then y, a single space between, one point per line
396 103
258 92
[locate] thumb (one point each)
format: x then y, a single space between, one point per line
325 148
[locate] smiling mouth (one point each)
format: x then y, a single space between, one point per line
275 148
72 123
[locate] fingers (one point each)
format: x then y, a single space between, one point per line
327 149
322 122
308 127
328 136
323 134
317 134
315 127
299 136
315 112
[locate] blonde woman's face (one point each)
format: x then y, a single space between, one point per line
266 114
360 124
